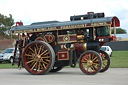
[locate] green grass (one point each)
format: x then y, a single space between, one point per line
6 64
119 59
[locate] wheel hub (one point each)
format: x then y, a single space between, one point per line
37 57
89 62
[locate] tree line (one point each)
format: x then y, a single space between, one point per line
119 31
7 22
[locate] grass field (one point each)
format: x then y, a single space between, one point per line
119 59
6 64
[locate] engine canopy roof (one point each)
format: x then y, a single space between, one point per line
56 25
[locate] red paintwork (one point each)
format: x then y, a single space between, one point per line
110 38
63 55
79 47
117 22
19 23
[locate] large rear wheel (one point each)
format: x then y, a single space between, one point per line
38 57
90 62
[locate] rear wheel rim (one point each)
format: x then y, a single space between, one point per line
37 58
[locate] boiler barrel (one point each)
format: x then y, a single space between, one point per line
81 47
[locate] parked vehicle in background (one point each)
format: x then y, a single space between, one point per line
107 49
7 55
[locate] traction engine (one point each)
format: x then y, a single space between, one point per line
50 46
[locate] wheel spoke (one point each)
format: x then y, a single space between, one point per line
94 58
35 50
45 57
39 49
95 64
95 67
92 68
84 62
47 60
96 61
31 64
30 61
31 49
85 59
31 58
28 55
44 66
88 68
34 65
46 54
39 66
43 52
43 62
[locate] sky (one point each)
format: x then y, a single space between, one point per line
29 11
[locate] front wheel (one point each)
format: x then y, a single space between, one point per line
90 62
38 57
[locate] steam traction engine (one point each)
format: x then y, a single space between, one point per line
49 46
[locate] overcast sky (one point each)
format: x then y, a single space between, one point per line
29 11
